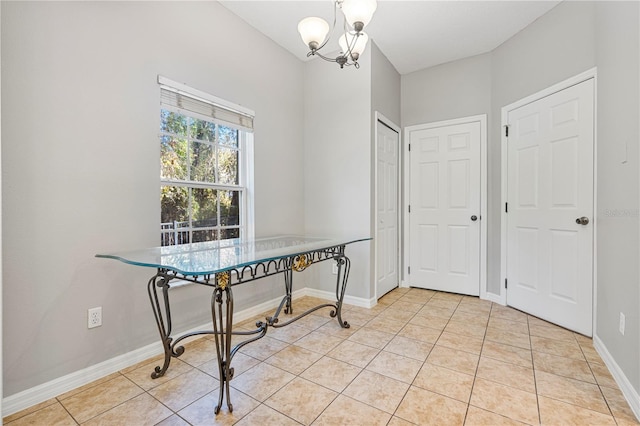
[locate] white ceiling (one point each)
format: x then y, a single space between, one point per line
413 35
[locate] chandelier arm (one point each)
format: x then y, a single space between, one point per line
351 46
333 27
342 59
326 58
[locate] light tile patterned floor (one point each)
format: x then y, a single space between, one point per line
418 357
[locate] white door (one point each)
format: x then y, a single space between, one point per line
549 188
445 208
388 146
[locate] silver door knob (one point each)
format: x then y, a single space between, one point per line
474 218
582 220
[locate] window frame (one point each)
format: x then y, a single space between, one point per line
246 227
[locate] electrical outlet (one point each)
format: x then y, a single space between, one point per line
334 269
94 316
622 321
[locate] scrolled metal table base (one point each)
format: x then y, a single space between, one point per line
222 307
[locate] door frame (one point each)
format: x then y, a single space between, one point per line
482 119
387 122
501 298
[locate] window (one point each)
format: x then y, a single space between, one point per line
205 167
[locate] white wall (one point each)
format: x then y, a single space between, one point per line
337 159
80 170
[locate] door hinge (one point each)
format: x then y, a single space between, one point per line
409 208
506 207
506 131
505 283
409 270
409 147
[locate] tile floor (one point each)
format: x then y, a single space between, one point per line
419 357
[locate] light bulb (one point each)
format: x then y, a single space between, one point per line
357 47
358 12
313 31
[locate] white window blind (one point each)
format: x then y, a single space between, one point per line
221 112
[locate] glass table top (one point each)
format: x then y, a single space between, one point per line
218 256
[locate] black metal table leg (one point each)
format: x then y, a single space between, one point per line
161 281
222 307
288 285
344 266
222 314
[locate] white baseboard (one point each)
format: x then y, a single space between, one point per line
495 298
351 300
53 388
630 394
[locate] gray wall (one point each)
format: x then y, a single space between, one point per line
80 171
571 38
337 173
617 47
558 45
385 99
452 90
80 149
339 131
385 86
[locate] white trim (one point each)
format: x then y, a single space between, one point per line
1 243
502 296
572 81
245 150
247 141
495 298
35 395
484 216
595 202
385 121
630 394
349 300
187 90
406 161
482 119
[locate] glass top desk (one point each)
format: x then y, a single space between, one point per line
222 265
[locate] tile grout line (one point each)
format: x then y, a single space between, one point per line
535 379
414 379
405 295
67 411
475 375
606 401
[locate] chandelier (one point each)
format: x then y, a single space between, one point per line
357 14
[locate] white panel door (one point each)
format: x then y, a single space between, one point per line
388 144
445 208
549 188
